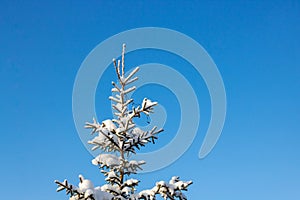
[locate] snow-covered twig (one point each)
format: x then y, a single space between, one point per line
73 191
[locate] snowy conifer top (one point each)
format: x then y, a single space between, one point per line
118 138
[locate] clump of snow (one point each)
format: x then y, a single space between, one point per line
106 160
131 182
109 125
147 106
85 184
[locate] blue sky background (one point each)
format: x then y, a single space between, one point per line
255 45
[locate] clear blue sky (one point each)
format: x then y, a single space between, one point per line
255 45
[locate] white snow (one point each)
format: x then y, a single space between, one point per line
109 125
108 160
131 182
147 103
85 184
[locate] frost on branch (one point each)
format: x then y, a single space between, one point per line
85 190
118 138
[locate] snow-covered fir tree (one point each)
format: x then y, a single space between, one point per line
118 138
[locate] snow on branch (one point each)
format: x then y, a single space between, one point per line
84 191
106 138
139 138
170 190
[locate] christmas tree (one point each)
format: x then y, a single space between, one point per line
118 138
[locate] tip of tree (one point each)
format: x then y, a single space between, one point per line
120 137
